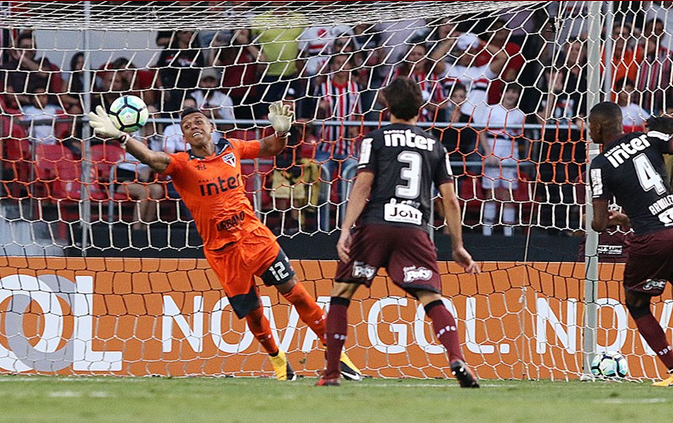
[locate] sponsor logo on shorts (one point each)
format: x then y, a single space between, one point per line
413 273
363 270
402 213
657 284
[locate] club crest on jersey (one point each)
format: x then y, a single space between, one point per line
229 159
413 273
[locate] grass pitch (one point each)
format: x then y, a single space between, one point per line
245 400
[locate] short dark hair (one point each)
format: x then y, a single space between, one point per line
404 98
512 86
607 112
624 82
663 124
188 111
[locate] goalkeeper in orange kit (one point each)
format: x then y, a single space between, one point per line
236 244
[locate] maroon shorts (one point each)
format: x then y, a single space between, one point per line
407 254
650 263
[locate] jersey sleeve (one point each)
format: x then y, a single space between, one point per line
598 174
367 160
660 141
443 172
246 149
178 161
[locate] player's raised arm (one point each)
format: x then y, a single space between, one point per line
282 118
103 126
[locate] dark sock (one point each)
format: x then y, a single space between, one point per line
446 329
337 329
655 336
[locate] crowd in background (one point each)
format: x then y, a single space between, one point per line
485 81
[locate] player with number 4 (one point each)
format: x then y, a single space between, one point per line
631 169
236 243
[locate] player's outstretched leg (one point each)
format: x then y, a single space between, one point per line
337 330
311 314
447 333
261 329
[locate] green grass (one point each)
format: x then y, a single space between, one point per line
245 400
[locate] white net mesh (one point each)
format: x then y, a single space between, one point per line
506 87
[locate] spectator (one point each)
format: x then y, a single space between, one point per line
654 75
137 181
500 36
633 116
295 180
179 69
563 154
24 73
277 33
41 117
460 142
418 67
214 103
111 84
240 71
625 55
143 82
338 101
504 124
476 78
371 75
71 98
575 66
316 44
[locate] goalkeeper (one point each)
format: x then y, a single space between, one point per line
236 244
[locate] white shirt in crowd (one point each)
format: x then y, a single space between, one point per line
41 133
503 125
633 115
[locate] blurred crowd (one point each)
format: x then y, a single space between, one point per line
506 95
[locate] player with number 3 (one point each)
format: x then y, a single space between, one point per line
390 201
236 243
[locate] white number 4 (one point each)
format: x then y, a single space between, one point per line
647 176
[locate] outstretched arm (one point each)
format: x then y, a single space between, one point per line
103 126
452 218
282 118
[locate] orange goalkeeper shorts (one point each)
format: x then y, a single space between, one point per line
237 264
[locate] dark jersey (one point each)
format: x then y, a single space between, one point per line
405 162
632 170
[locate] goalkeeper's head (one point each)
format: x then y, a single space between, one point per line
195 126
404 98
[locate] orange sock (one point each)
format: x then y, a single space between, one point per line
260 327
309 311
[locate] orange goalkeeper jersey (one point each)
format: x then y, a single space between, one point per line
213 190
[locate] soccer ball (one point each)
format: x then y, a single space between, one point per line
128 113
609 365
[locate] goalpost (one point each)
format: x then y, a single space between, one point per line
100 265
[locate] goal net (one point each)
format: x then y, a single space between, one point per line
102 268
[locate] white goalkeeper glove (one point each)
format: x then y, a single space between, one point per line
103 126
281 118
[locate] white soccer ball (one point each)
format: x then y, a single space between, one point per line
609 364
129 113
